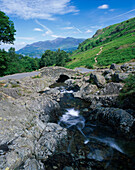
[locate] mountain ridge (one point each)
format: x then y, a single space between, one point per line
37 48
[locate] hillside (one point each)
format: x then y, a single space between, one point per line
38 48
113 44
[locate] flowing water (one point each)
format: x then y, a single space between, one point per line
96 141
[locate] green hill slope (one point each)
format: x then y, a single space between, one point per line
113 44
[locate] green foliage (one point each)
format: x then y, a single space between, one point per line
4 58
58 58
127 94
129 87
89 66
11 63
83 58
108 34
7 30
117 42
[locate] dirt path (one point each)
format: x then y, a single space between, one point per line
101 48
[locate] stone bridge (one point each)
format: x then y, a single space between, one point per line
59 74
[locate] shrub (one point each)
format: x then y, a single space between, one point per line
90 66
127 94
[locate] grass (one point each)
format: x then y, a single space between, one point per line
118 51
118 42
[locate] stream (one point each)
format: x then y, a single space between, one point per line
92 145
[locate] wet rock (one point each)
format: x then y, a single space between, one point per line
69 82
67 168
97 79
118 119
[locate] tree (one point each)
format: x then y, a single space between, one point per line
47 59
61 57
7 30
4 58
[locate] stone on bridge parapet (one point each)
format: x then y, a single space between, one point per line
55 72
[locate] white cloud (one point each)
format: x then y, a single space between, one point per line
17 46
38 29
124 13
43 9
47 30
72 28
105 6
68 28
57 36
89 31
78 29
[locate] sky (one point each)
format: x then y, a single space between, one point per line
41 20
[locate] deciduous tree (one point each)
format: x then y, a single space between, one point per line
7 30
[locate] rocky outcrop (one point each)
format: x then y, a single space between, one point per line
30 137
106 96
53 140
114 66
97 79
24 118
12 92
118 119
119 77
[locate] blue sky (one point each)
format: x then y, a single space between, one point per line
40 20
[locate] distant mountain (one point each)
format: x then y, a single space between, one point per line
37 49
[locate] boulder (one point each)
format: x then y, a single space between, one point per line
108 77
106 96
119 77
107 72
124 67
114 66
120 120
86 90
97 79
69 82
111 88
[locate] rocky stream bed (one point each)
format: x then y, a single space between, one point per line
65 120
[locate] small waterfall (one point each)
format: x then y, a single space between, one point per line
72 119
88 139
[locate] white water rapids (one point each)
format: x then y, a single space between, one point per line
72 119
